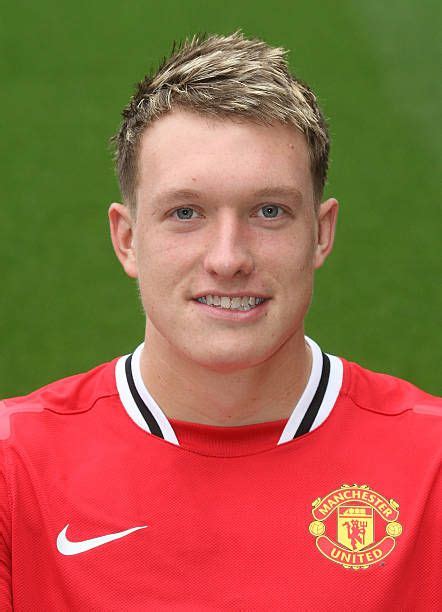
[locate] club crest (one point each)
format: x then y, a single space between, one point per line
355 526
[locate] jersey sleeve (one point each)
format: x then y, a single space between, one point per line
5 542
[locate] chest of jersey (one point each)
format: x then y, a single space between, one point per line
134 522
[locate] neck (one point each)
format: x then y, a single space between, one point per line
187 391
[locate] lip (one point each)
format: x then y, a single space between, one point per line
237 316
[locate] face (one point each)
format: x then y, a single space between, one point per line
223 208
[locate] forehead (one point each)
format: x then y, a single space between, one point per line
185 150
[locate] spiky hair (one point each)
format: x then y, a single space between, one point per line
222 76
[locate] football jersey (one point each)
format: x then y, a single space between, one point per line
106 504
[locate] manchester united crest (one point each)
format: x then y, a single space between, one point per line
355 526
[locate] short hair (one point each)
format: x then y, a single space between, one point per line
226 77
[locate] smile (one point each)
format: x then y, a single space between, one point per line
243 303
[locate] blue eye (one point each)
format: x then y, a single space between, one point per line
271 211
186 213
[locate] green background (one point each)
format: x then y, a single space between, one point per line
67 70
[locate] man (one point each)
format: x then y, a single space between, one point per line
227 463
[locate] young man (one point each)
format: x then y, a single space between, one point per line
227 463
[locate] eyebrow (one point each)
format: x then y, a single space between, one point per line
192 194
281 191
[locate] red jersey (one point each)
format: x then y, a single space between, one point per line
106 504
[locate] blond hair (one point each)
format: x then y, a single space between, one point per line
222 76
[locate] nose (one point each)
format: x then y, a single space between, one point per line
228 252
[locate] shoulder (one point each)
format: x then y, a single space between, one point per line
387 394
68 396
390 396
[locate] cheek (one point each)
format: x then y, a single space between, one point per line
289 256
162 264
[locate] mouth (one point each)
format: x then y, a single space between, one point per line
234 310
241 303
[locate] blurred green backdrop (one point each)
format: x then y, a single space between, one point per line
67 70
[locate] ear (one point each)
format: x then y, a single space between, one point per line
326 216
122 233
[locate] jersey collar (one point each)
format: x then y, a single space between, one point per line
312 408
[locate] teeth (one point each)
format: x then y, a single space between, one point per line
235 303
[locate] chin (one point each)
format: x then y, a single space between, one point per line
228 363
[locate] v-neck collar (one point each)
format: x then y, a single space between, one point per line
312 408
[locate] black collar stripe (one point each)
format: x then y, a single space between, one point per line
312 411
152 424
304 402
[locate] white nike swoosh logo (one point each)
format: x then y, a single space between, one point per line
66 547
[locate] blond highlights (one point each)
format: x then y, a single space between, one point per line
222 76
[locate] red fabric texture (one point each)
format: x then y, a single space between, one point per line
227 513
